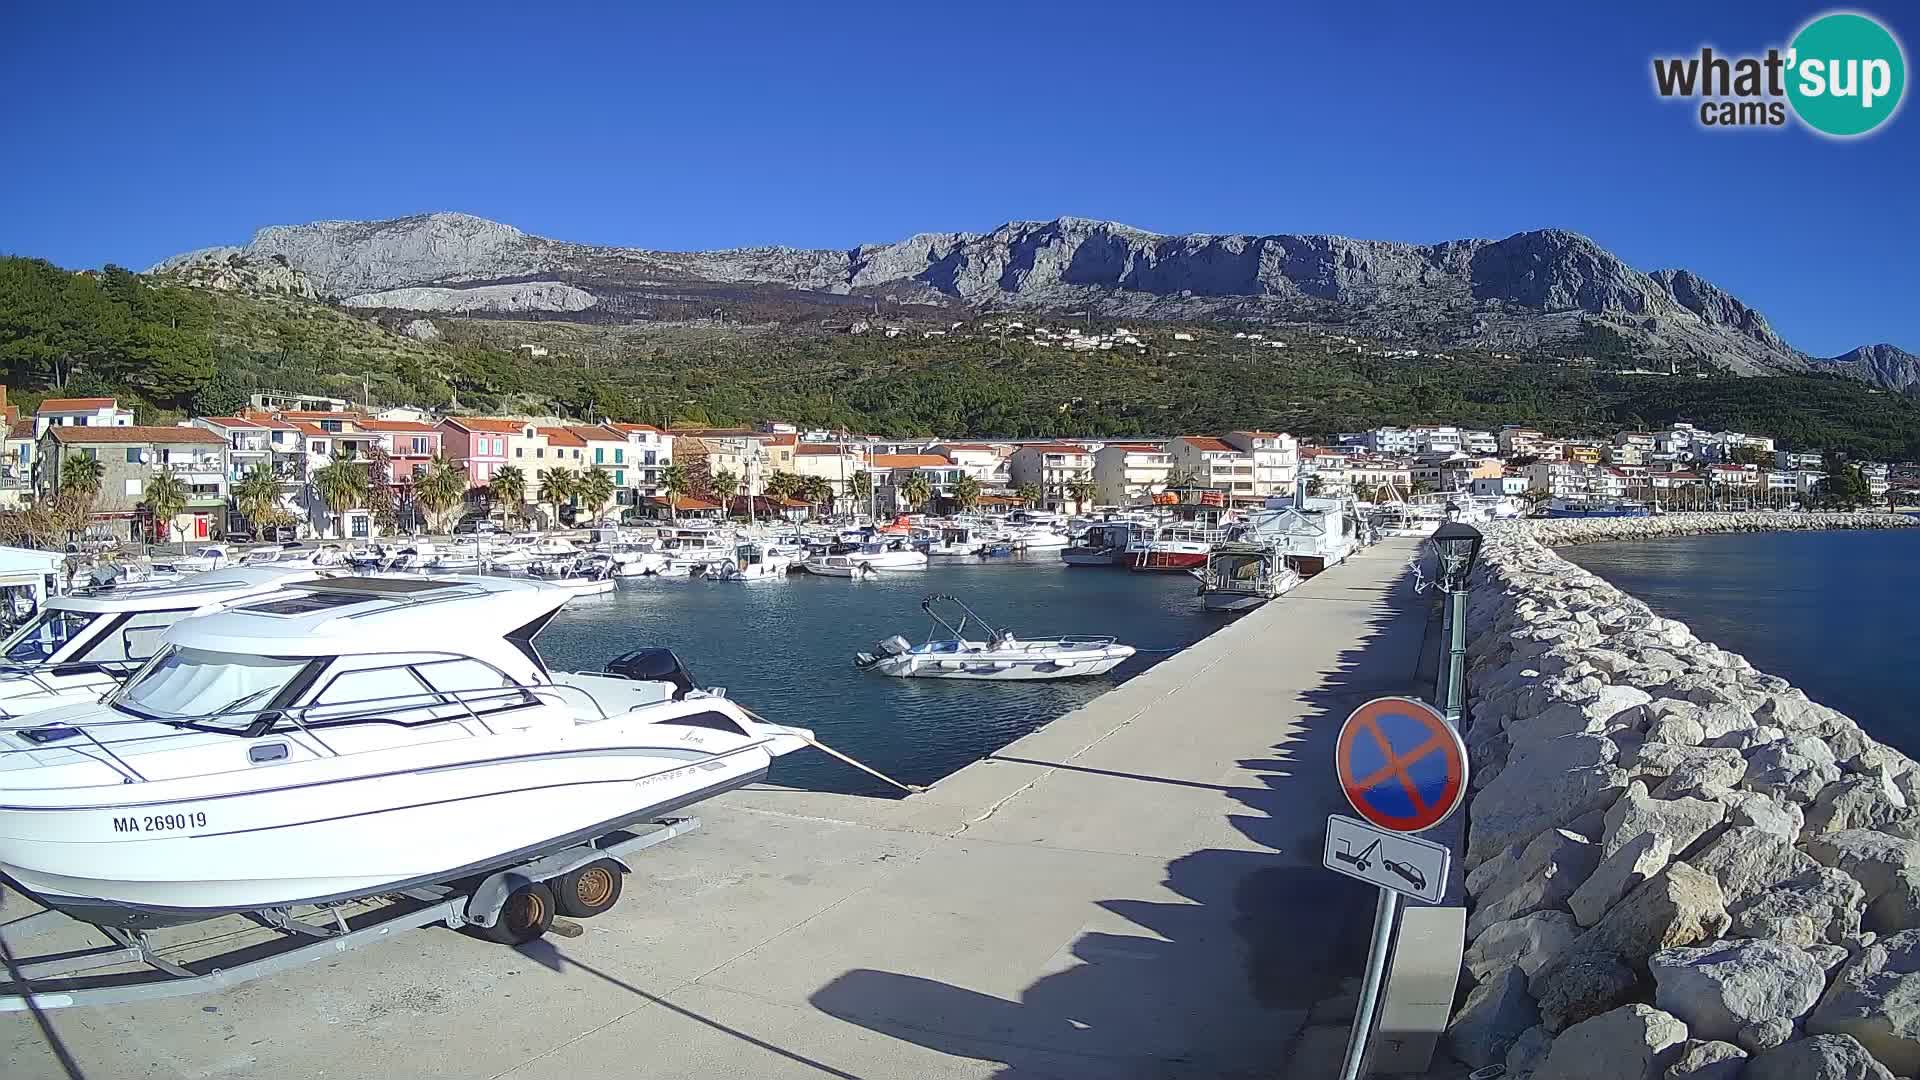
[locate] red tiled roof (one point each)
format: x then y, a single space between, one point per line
397 425
595 433
21 428
313 429
142 434
907 461
687 502
485 423
560 436
1147 446
77 404
633 427
1205 442
231 421
821 450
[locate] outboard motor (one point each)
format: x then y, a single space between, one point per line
654 665
892 646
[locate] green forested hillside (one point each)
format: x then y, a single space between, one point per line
173 350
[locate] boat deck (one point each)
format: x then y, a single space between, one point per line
1132 891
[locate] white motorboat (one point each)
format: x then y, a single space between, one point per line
203 558
635 558
845 566
957 541
752 561
417 557
549 547
293 555
1000 658
582 575
350 738
81 645
1241 576
689 552
895 554
1114 543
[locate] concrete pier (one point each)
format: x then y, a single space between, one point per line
1132 891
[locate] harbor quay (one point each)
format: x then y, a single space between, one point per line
1133 890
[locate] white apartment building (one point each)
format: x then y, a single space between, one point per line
982 461
1276 459
1383 440
836 463
1499 486
1213 463
1792 461
1438 439
1513 441
80 412
1051 467
1560 479
1479 443
1129 473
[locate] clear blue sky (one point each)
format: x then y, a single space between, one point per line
135 131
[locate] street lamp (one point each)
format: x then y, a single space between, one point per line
1458 546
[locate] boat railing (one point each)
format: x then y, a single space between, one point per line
114 669
307 719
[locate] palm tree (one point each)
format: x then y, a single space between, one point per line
440 490
166 498
917 491
675 479
1181 476
860 486
966 491
1315 485
817 490
1029 494
509 486
556 487
781 485
257 496
80 476
726 485
343 485
1082 489
594 490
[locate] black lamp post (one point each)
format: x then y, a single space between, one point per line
1458 546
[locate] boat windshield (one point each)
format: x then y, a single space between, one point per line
218 689
47 634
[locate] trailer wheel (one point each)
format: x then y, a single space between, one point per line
526 915
588 891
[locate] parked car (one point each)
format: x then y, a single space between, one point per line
475 527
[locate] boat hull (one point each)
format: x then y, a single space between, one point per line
1230 602
190 858
1169 560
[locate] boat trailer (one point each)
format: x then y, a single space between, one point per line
476 904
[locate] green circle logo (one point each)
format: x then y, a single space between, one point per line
1845 74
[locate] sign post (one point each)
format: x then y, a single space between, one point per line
1403 768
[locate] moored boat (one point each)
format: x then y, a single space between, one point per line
999 657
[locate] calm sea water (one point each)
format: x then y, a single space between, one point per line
1835 613
785 649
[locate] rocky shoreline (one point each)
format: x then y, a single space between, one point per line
1678 866
1570 532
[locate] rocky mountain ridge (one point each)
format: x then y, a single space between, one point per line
1883 365
1536 289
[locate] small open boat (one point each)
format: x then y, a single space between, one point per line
1242 576
1000 658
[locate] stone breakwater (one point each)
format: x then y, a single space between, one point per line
1567 532
1677 865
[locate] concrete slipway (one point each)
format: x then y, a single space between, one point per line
1132 891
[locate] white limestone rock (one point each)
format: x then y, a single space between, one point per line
1528 942
1822 1057
1618 874
1633 1042
1721 987
1680 821
1545 874
1701 1060
1876 999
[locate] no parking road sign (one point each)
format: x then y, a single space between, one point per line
1402 766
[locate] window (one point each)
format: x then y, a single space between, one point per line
46 635
539 451
224 690
471 679
359 526
519 451
420 444
138 638
331 426
80 421
576 455
353 693
133 455
619 455
599 455
619 478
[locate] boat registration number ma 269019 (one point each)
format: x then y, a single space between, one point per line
160 822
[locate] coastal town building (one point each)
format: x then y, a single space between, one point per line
80 412
1515 442
1797 460
1276 459
1127 474
130 456
1214 463
1502 486
985 462
836 463
1052 467
477 445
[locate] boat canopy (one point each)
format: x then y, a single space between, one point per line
354 615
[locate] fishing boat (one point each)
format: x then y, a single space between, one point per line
999 657
1242 576
1114 543
688 552
351 738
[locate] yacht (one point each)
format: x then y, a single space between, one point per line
203 558
1001 657
845 566
81 645
582 575
1242 576
349 738
1180 546
753 560
688 552
293 555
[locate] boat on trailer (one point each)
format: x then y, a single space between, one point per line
347 738
1000 657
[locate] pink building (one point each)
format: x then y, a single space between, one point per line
410 446
477 444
